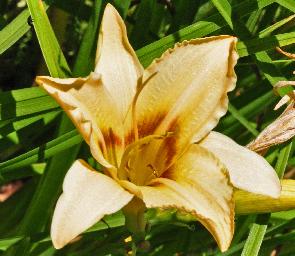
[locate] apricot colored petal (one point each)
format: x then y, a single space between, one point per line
186 91
91 108
87 196
197 183
116 61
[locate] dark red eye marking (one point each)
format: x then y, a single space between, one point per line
110 138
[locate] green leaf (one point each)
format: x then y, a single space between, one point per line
224 8
43 152
21 94
110 221
17 124
271 72
289 4
87 49
53 55
237 115
253 21
18 27
267 31
23 138
22 173
228 124
254 240
27 107
14 31
198 29
283 159
6 243
248 47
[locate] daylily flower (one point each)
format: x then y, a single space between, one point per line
151 131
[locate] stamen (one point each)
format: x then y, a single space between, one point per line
155 172
134 148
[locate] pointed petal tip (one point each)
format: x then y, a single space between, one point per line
110 6
277 188
59 243
40 80
110 10
116 60
55 241
223 246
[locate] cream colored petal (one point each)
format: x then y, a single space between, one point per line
187 90
197 183
248 170
90 106
87 197
116 60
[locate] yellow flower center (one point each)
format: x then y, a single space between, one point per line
141 162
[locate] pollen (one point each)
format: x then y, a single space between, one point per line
155 172
128 239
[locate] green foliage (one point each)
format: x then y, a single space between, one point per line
38 143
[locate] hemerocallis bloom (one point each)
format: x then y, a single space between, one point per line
151 131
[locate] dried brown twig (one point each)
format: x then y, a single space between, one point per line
283 128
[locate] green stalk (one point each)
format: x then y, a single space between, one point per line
136 223
248 203
135 220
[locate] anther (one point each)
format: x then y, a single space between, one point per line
155 172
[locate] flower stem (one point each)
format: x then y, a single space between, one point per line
247 203
135 220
